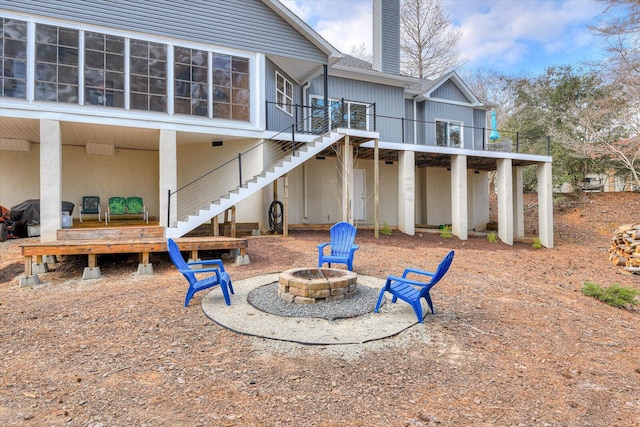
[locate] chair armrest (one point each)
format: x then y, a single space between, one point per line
322 245
416 271
405 280
208 262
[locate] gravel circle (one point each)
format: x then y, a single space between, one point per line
265 298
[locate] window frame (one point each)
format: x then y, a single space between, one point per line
457 124
284 102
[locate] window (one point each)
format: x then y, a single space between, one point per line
115 71
191 87
56 64
284 94
13 58
230 87
355 114
103 69
449 133
148 70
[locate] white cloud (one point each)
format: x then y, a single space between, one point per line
344 24
495 33
511 32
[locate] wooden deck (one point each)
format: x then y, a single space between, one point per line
142 240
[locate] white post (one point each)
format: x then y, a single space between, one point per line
407 192
505 201
168 176
459 210
545 204
50 180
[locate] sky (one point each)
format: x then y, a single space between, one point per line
513 37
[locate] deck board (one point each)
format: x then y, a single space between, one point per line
139 240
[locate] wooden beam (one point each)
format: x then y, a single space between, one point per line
285 213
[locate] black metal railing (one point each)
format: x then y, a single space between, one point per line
440 133
230 176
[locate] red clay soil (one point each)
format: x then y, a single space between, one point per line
514 342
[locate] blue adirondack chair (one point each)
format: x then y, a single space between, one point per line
341 246
218 278
410 290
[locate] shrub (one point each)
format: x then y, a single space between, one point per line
445 232
537 243
492 237
385 230
615 295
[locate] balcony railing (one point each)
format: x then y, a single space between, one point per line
402 130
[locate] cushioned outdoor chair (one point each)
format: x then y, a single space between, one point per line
341 246
135 206
218 276
116 206
91 206
411 291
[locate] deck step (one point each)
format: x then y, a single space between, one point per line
109 233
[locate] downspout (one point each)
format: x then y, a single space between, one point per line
305 201
326 94
415 121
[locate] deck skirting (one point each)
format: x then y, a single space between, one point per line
125 243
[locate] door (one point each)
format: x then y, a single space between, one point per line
359 195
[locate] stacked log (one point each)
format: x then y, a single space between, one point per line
625 248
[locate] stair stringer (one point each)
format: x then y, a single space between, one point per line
252 186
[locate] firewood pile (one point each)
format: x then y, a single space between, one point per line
625 248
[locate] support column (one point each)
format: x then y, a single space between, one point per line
505 201
545 204
518 202
50 180
168 176
459 189
347 186
376 189
407 192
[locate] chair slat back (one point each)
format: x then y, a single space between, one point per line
178 261
342 235
442 268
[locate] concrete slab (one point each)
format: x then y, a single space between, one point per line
243 318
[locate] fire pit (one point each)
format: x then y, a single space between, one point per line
311 285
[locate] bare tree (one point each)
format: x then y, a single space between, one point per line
360 52
619 27
428 39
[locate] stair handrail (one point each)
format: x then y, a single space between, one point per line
318 118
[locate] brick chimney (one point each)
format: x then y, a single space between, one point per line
386 36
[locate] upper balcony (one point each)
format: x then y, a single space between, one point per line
302 120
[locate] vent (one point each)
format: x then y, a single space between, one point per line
9 144
101 149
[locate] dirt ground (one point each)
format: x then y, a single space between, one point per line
514 342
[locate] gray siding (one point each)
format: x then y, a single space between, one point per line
278 120
386 36
409 133
389 102
437 110
480 122
239 24
449 91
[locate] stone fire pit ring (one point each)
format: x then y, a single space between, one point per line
312 285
